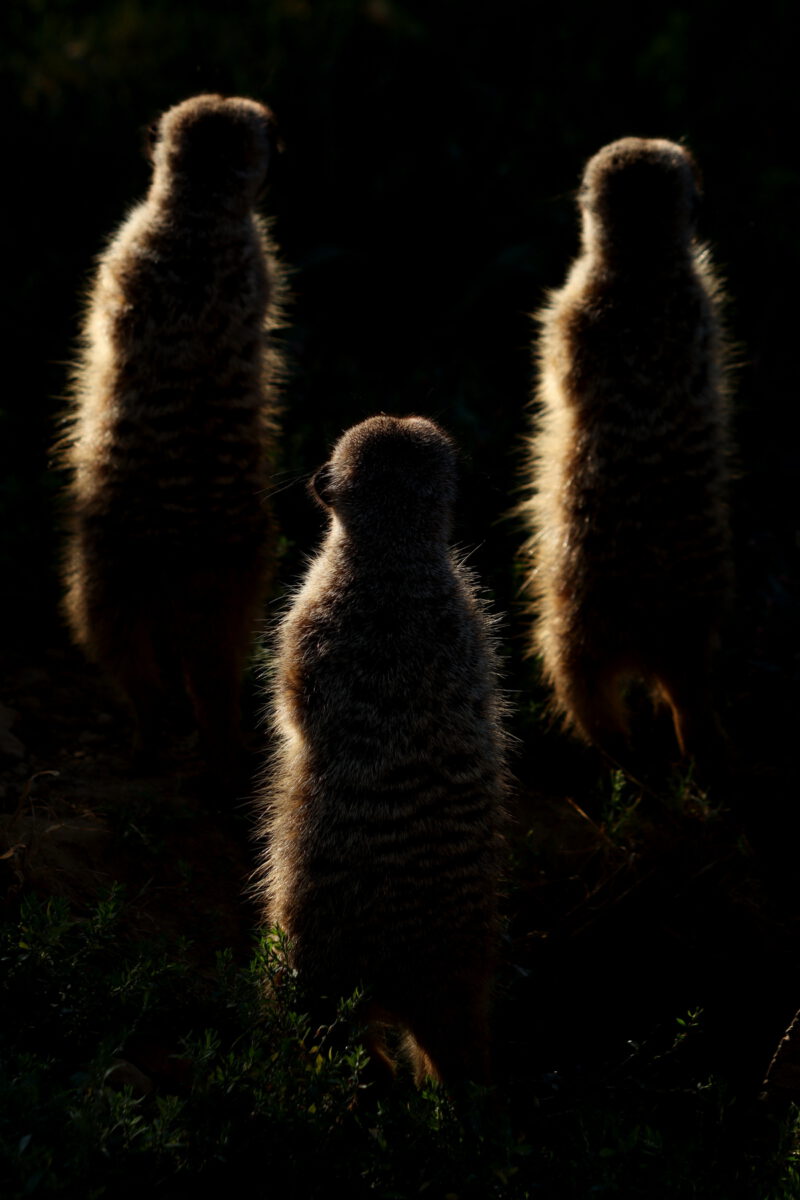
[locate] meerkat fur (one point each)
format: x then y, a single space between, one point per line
170 441
383 809
629 557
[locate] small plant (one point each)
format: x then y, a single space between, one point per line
688 1025
619 813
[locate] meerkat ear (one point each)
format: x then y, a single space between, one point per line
150 138
321 486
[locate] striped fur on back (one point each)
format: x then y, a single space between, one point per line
172 435
383 808
630 550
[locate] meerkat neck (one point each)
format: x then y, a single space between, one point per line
184 203
389 549
629 253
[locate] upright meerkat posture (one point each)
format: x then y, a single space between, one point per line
630 540
172 434
383 810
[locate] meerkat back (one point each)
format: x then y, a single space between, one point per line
172 437
630 550
383 809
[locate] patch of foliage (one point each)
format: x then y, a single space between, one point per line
125 1068
244 1086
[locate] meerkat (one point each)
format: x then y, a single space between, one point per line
630 542
383 806
171 437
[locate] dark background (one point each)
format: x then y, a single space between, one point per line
424 202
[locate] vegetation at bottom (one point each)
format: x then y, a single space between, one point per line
235 1089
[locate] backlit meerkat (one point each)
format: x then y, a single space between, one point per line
172 434
383 808
630 545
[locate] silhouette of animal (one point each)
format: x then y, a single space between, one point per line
383 809
629 552
171 438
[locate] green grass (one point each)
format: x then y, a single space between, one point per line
232 1081
243 1083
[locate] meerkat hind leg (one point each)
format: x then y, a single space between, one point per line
449 1040
138 672
591 696
686 688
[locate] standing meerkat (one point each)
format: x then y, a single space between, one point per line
630 545
172 435
384 805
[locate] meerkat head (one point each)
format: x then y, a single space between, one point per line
640 195
213 149
391 477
